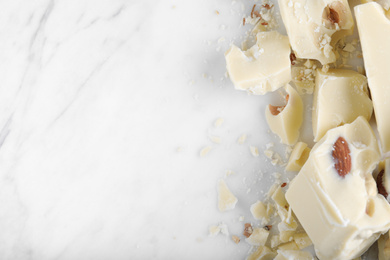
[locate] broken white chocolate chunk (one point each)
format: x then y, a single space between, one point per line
374 29
262 253
258 237
264 67
384 3
293 254
334 195
298 157
340 96
314 27
260 212
285 121
275 241
302 240
214 230
226 199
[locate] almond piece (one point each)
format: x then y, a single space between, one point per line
248 230
236 239
341 156
333 16
379 184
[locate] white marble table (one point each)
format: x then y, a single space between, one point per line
104 108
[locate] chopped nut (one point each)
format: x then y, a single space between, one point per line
268 227
253 9
248 230
293 58
379 182
236 239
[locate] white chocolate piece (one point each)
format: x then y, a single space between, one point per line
264 67
293 255
334 195
226 199
302 240
374 29
384 3
262 253
384 247
275 241
298 157
289 246
261 212
258 238
340 96
315 26
286 121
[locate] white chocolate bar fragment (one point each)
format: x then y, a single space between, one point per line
374 32
384 3
315 26
340 97
298 157
226 199
285 121
334 196
264 67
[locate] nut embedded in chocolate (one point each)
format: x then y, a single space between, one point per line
341 156
379 184
333 16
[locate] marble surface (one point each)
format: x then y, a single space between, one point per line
104 108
